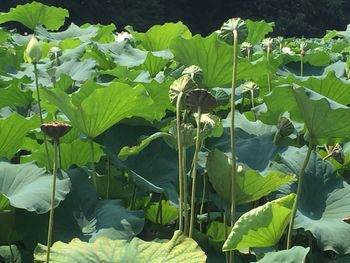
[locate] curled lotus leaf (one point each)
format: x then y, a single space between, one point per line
200 98
226 31
181 85
195 72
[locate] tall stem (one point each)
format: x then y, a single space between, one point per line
201 209
295 205
232 134
53 193
185 191
194 172
180 157
94 175
108 178
41 114
301 65
268 64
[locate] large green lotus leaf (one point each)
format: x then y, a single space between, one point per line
34 14
250 137
13 129
72 32
324 200
316 111
14 96
29 187
329 85
262 226
104 250
294 255
159 37
153 64
250 185
76 152
257 30
214 57
104 107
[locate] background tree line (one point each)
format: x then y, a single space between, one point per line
309 18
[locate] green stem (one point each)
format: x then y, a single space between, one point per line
194 172
185 191
201 209
41 114
108 178
180 157
295 205
275 136
301 65
232 134
94 175
249 55
160 210
227 254
133 198
253 104
268 64
53 193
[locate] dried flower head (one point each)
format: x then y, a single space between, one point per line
55 129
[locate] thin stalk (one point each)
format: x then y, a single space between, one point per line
295 205
201 209
185 191
227 254
94 175
249 54
232 134
268 63
108 178
160 210
53 193
301 65
253 104
276 136
194 172
41 114
133 198
180 157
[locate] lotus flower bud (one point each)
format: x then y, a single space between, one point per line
33 52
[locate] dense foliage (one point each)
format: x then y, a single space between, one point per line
166 146
309 18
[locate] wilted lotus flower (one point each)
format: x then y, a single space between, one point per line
55 129
33 52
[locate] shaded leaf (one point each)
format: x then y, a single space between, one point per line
294 255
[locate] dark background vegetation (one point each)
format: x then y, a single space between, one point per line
309 18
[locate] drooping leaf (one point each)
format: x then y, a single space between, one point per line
178 249
72 32
324 200
13 129
161 214
104 107
262 226
316 111
28 187
250 185
126 151
294 255
159 37
34 14
257 30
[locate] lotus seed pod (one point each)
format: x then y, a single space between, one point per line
195 72
183 84
234 24
33 52
267 44
200 98
55 129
